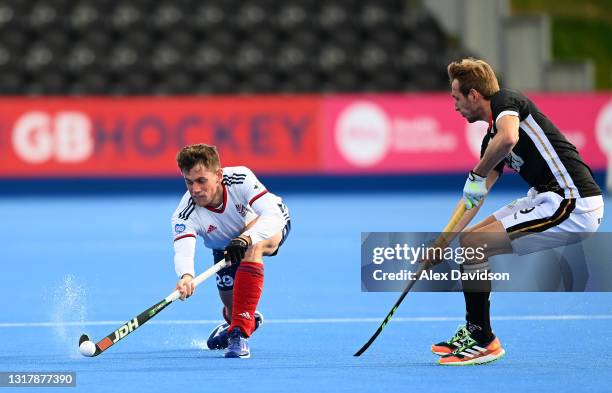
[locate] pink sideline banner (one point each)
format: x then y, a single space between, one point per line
422 133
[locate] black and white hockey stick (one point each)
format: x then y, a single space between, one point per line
424 266
143 317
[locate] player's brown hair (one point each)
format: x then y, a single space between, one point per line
200 153
473 74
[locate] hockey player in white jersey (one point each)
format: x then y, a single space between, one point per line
241 222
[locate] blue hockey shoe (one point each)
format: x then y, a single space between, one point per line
218 338
238 345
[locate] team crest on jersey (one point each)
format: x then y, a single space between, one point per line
211 228
241 209
179 228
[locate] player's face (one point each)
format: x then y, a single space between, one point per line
467 106
204 185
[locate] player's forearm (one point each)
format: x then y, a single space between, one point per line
501 144
270 221
184 254
497 150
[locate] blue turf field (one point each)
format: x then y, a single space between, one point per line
72 265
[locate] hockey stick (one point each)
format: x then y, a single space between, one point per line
424 266
149 313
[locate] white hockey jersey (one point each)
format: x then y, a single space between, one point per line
244 199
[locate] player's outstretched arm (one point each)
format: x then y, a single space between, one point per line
269 222
501 145
507 136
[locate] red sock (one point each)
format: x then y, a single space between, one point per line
248 285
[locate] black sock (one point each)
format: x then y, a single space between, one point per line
477 308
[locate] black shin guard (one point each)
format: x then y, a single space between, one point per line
477 305
477 308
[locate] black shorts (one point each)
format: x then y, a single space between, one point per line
225 276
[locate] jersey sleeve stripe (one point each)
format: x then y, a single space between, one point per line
549 154
184 236
234 179
186 212
504 113
256 197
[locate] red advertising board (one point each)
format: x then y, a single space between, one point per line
140 136
346 134
421 133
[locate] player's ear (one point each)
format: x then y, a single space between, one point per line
473 95
219 174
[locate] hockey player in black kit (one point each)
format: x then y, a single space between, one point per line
564 198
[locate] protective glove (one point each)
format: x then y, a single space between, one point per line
474 190
235 250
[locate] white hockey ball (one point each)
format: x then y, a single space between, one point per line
87 348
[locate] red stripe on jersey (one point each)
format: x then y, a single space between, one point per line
184 236
256 197
222 209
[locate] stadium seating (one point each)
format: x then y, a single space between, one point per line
143 47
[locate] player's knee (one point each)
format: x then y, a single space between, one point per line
471 239
273 243
255 252
263 248
258 248
465 239
480 244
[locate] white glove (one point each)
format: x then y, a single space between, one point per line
474 190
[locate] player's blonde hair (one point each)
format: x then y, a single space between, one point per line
200 153
473 74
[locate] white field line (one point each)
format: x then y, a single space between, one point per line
570 317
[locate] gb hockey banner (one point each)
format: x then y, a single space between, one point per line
77 137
